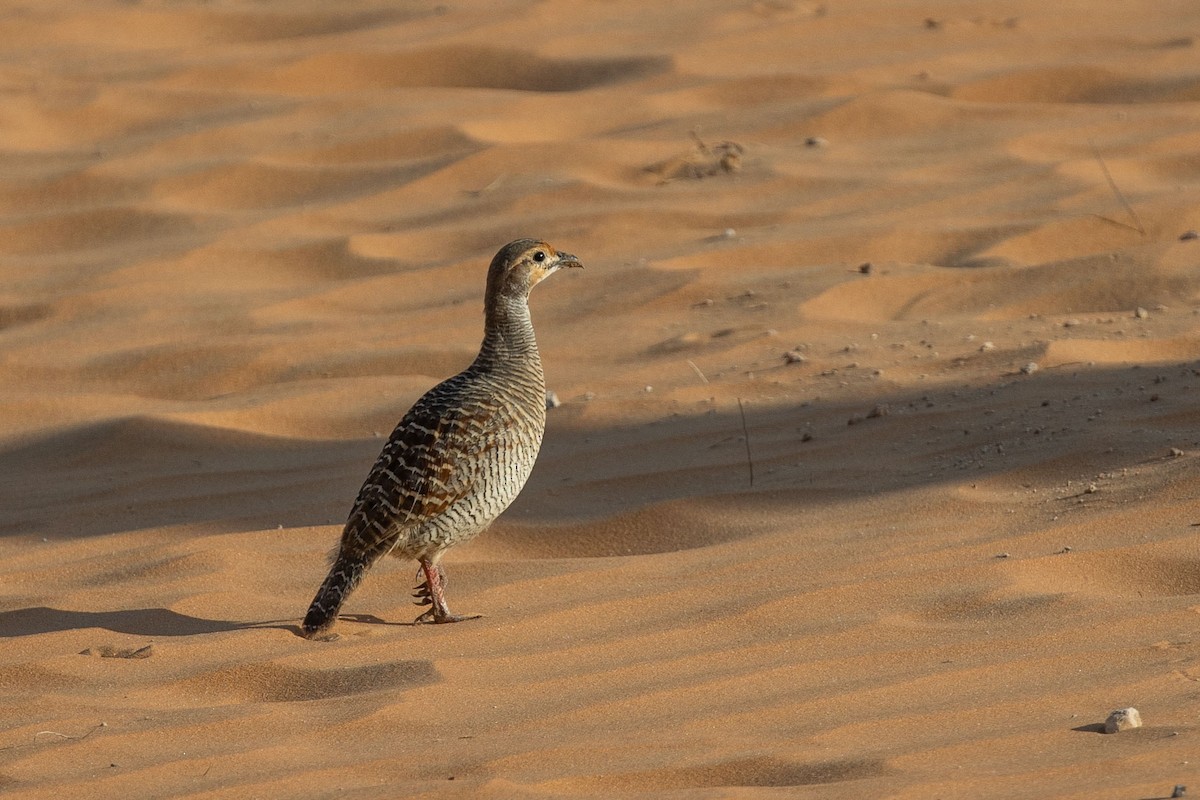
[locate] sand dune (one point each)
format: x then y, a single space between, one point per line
875 469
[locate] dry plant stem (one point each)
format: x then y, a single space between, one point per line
1116 190
746 439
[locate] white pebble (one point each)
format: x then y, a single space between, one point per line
1029 368
1122 719
986 346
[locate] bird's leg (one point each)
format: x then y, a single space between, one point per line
432 593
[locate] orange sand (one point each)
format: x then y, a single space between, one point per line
238 239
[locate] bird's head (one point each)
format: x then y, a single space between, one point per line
521 265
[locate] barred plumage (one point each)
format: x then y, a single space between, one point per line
460 455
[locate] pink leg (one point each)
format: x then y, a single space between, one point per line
432 593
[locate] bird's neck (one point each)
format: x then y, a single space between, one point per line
508 333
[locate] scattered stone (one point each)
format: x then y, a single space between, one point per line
1003 555
816 141
880 410
648 389
729 233
794 357
1071 323
1141 313
552 400
865 268
987 347
1187 236
1176 452
1029 368
1122 719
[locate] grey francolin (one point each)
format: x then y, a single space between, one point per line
460 455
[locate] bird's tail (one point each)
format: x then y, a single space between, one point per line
344 576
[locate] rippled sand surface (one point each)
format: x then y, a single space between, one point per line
875 469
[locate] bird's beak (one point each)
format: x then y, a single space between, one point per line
568 260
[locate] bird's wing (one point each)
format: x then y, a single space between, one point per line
431 461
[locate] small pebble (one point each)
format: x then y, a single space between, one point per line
552 400
794 357
1141 313
1187 236
1029 368
865 268
1176 452
1179 791
729 233
1122 719
986 346
815 141
648 389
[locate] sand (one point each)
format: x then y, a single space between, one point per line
936 253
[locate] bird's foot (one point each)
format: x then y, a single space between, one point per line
430 593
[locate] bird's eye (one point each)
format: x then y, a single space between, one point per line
539 256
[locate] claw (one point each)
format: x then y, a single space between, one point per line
423 595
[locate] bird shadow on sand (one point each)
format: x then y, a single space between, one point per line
139 622
371 619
